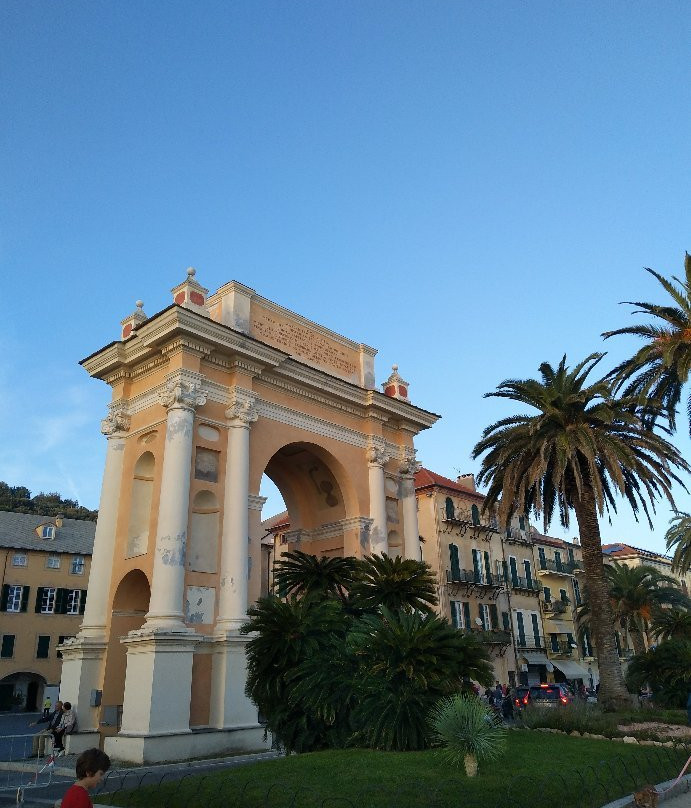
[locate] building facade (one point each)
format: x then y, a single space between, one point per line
45 566
208 395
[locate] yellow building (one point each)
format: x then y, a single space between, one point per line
45 569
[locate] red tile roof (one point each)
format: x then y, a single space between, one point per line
427 479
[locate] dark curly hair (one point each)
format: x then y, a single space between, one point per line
92 761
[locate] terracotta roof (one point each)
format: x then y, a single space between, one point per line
426 479
280 520
621 550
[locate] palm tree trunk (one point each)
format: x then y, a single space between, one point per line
613 694
637 639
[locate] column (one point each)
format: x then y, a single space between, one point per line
96 611
83 656
180 397
232 605
377 458
411 532
229 706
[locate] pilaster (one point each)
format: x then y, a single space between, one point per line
377 458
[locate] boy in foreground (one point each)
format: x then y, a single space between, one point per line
91 766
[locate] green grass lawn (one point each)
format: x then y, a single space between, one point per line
537 769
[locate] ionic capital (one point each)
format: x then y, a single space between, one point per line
117 419
243 408
183 391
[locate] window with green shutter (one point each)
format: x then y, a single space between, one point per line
455 564
477 569
542 557
466 615
493 615
557 560
536 629
455 613
506 621
514 570
521 522
554 643
7 650
475 514
577 592
563 596
528 573
43 646
488 568
547 593
448 506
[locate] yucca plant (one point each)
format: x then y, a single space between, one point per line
468 731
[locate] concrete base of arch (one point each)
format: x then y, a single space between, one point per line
82 672
145 749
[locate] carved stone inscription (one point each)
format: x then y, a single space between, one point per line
305 344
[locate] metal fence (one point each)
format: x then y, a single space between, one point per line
591 786
26 763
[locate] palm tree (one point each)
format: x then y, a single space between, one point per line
679 537
636 593
394 583
658 371
302 574
671 624
579 450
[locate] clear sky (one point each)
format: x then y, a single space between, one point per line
471 188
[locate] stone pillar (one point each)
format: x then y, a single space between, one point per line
230 708
411 532
83 656
181 396
377 458
232 606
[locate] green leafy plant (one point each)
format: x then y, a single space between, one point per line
467 731
394 583
578 717
667 669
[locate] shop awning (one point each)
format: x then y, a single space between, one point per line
534 657
572 670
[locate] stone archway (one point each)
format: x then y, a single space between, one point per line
213 392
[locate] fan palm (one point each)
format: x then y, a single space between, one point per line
679 537
635 594
305 575
579 450
667 669
671 624
394 583
658 371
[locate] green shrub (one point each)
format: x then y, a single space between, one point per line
464 726
577 716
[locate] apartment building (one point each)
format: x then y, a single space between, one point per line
45 564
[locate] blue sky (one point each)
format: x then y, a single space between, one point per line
469 187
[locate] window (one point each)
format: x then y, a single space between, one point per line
448 506
514 571
43 646
587 647
521 522
14 598
493 616
53 562
45 600
488 568
548 594
528 573
77 567
521 628
48 532
554 643
466 614
455 563
543 558
7 650
483 610
536 629
456 618
74 598
61 640
557 560
563 596
475 514
19 560
477 567
572 560
506 621
577 592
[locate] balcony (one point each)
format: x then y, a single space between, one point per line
548 565
530 643
489 637
524 584
474 578
515 535
555 608
560 645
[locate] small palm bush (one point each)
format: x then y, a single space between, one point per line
467 731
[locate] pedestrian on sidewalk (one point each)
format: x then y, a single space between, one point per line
91 766
47 704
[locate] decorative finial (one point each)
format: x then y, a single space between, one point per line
139 304
394 368
395 386
191 271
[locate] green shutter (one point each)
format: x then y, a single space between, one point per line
455 606
25 598
554 642
543 558
475 515
564 597
477 572
4 598
488 569
61 601
43 646
506 621
514 571
536 628
548 594
521 628
7 651
466 615
39 599
455 564
82 601
493 615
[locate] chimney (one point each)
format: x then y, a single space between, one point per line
467 481
58 520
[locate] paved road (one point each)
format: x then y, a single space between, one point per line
13 724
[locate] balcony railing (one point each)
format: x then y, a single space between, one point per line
516 582
530 643
555 607
491 637
560 567
473 577
515 535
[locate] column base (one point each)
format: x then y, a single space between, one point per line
79 742
82 671
230 708
144 749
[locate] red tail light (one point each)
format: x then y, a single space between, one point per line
525 699
563 700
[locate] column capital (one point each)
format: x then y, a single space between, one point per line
409 465
117 419
377 452
243 407
183 391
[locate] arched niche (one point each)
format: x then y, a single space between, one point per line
140 505
202 542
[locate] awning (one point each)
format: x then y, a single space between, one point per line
534 657
572 670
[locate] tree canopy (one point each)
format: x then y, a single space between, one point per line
19 500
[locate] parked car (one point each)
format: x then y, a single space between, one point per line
521 698
550 695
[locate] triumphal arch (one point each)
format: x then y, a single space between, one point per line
208 395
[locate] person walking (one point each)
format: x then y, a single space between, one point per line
90 768
47 704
